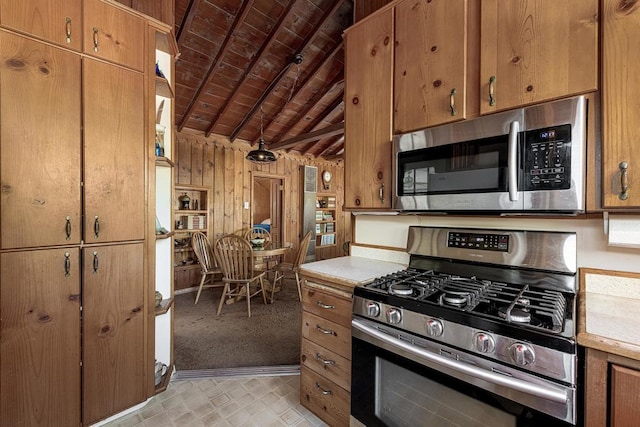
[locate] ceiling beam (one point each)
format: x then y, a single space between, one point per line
219 59
187 19
325 113
304 46
332 130
271 39
336 143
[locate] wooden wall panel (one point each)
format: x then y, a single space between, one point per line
220 165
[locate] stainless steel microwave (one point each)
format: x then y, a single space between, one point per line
527 160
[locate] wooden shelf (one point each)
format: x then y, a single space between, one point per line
164 383
164 306
191 230
187 267
164 235
163 88
324 246
187 249
190 212
164 161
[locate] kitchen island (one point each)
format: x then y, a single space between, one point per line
325 359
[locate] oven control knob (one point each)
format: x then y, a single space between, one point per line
483 342
522 354
373 309
394 316
434 327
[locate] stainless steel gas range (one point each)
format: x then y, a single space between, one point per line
478 330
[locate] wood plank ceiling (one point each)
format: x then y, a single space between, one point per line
238 70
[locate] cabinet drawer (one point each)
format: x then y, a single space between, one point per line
326 363
326 305
327 334
324 398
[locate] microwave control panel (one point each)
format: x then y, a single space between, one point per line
547 159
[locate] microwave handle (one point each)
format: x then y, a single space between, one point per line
512 161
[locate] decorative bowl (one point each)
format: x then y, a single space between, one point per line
257 242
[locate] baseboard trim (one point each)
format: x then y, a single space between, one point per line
252 371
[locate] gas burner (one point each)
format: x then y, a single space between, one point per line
457 299
516 315
400 289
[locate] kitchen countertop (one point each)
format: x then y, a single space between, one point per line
349 271
609 306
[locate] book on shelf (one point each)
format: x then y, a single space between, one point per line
318 228
327 239
328 228
318 215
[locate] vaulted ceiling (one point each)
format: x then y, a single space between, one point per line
275 64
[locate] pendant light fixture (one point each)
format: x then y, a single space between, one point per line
261 155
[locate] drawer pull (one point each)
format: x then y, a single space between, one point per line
327 306
325 331
323 391
323 360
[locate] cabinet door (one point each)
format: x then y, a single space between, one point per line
114 34
625 396
368 100
40 329
114 153
113 330
39 144
620 105
57 21
430 63
537 50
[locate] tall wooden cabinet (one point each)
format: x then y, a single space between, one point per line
73 209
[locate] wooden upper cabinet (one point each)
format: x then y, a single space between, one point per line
40 353
114 34
368 100
58 21
620 105
114 153
113 336
536 50
40 145
430 63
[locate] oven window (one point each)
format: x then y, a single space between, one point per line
404 398
474 166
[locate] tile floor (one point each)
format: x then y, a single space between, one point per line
225 401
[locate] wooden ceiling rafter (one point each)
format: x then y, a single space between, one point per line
271 39
307 80
335 129
218 60
304 46
337 142
185 25
325 113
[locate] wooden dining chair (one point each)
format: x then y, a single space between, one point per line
235 258
208 267
283 268
258 233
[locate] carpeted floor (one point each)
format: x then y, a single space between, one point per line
271 337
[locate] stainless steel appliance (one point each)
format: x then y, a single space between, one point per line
526 160
478 331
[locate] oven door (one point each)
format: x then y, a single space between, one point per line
399 379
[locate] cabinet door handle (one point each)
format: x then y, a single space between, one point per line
324 361
381 193
95 39
624 181
452 101
492 97
326 306
67 29
324 331
323 391
68 227
95 262
96 226
67 264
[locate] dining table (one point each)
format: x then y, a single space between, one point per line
266 258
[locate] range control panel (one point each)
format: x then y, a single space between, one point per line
486 242
547 159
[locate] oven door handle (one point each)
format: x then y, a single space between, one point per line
512 161
537 390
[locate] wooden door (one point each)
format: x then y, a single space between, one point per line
40 329
625 396
368 117
536 50
40 147
58 21
114 153
430 63
620 105
114 34
113 338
